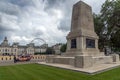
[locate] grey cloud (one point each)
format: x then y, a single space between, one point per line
53 3
19 18
37 33
66 7
64 25
8 18
8 22
9 8
21 3
5 33
5 28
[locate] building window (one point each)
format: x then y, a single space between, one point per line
15 50
5 50
90 43
73 43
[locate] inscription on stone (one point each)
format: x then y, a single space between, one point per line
73 43
90 43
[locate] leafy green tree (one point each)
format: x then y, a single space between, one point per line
107 24
39 53
110 14
63 48
99 29
115 41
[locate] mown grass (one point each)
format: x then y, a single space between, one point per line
42 72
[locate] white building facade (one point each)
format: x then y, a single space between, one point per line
16 49
57 47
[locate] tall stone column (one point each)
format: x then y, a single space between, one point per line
82 39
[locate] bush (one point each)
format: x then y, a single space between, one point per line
39 53
63 48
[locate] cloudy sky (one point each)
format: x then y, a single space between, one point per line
23 20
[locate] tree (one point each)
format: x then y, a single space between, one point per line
39 53
115 41
110 13
63 48
107 24
99 29
50 50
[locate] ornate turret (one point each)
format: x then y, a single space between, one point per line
5 42
5 39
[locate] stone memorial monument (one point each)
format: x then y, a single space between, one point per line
82 41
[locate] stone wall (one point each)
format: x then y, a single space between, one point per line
11 58
39 57
82 61
6 58
102 59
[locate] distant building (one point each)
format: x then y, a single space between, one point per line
16 49
57 47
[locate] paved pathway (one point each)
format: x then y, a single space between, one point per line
92 70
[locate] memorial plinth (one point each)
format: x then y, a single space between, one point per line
82 41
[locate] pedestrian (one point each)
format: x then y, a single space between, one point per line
14 59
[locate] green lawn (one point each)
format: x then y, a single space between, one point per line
41 72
